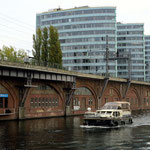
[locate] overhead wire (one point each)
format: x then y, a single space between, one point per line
17 20
11 27
25 47
22 27
13 38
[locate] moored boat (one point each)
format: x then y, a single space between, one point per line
111 114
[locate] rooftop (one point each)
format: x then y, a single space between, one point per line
81 7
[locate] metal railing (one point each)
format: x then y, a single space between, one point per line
32 61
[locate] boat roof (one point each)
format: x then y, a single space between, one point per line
118 102
119 110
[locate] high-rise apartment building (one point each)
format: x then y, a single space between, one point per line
147 58
82 33
130 43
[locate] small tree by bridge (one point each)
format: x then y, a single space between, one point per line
11 54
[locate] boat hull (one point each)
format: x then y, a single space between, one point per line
106 121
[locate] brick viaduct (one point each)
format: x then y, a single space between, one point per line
28 91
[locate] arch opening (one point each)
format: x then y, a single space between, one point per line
44 101
6 102
82 99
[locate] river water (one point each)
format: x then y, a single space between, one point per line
69 134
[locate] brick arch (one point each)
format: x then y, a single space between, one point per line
90 88
12 92
45 103
85 99
56 88
110 96
60 93
146 100
118 92
134 98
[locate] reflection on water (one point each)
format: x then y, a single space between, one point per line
66 133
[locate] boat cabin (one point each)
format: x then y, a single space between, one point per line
117 105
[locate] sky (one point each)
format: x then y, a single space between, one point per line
18 17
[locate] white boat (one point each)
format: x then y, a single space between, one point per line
111 114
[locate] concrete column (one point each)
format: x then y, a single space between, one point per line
21 113
68 111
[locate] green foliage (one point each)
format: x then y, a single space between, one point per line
1 54
37 43
47 46
11 54
55 53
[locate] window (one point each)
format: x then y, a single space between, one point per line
40 102
53 102
1 102
50 102
43 100
111 92
106 100
46 102
116 114
32 102
76 102
35 102
57 102
90 101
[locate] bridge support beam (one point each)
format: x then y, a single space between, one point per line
127 88
21 113
68 111
102 92
69 95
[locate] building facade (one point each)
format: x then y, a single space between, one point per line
82 33
147 58
130 44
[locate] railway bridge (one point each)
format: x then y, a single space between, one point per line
28 91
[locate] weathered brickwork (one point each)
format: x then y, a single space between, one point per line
49 98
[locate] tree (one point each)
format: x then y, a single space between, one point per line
37 43
45 46
55 53
11 54
1 55
21 54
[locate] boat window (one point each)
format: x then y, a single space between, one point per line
119 107
114 107
125 106
98 111
110 107
102 112
116 114
109 112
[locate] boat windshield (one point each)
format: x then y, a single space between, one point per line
110 107
105 112
113 105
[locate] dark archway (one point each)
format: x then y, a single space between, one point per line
8 101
